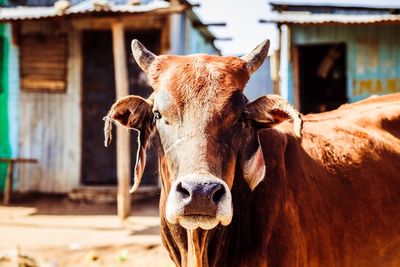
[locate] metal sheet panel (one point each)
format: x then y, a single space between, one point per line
308 18
196 41
373 61
85 7
50 131
336 3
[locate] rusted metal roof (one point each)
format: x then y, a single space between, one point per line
85 7
308 18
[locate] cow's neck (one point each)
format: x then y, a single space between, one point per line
222 246
197 249
260 226
236 243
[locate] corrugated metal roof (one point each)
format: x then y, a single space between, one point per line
88 6
308 18
340 3
42 3
104 6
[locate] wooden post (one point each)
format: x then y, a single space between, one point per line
9 183
123 142
296 77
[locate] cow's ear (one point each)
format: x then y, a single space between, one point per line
268 111
265 112
252 160
132 112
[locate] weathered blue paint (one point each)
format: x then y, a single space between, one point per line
13 95
186 39
290 95
373 61
177 34
260 82
196 43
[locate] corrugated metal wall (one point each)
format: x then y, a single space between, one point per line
186 39
197 44
260 82
50 131
195 41
373 60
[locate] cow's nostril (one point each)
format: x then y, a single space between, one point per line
218 194
183 191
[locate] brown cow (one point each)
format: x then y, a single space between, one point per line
240 190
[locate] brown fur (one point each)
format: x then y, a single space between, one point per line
333 200
330 199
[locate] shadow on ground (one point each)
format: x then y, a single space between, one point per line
62 205
55 231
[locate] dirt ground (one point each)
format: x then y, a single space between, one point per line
49 231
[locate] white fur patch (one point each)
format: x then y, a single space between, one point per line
175 206
194 222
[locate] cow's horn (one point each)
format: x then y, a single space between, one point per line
143 57
255 58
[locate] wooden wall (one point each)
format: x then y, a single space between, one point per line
50 127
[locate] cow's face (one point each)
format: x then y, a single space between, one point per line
206 127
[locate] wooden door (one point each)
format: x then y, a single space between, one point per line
98 162
321 77
138 85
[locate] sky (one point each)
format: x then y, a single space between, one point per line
242 18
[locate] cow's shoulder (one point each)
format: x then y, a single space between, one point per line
368 112
346 134
371 115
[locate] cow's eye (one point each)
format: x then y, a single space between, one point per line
156 116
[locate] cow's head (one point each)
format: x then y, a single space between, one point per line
207 129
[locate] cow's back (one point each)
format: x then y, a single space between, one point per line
344 185
368 127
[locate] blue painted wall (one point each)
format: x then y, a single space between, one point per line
186 39
260 82
373 58
197 43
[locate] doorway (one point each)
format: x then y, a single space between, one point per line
99 165
321 77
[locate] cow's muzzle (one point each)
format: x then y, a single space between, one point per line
199 200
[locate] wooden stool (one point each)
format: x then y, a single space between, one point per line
10 171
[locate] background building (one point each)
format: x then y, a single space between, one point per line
334 54
59 78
